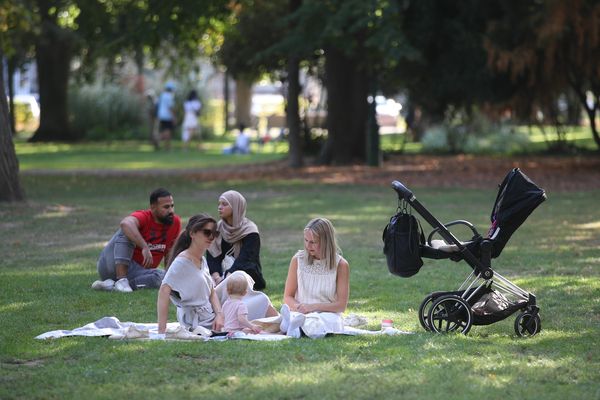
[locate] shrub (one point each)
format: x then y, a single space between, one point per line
24 118
473 134
505 140
107 112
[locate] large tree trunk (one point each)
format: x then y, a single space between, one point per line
347 110
12 67
10 188
243 101
292 109
53 57
292 113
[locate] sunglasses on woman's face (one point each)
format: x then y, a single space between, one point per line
209 233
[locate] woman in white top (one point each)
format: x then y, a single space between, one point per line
188 283
191 109
317 285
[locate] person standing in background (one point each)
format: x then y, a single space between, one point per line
191 109
166 114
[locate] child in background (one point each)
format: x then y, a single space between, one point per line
235 311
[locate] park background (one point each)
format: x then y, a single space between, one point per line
340 98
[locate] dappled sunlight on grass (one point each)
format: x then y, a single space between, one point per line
55 211
53 270
590 225
86 246
16 306
49 265
589 260
130 156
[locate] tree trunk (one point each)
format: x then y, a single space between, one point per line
347 110
10 188
590 111
226 101
292 109
12 67
243 102
53 57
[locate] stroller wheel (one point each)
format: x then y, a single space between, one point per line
528 324
449 314
424 312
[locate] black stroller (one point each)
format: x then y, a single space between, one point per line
485 297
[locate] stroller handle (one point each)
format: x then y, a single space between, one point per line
403 191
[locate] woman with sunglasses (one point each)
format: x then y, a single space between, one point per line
187 282
238 238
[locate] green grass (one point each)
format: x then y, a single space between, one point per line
51 243
134 155
578 136
131 155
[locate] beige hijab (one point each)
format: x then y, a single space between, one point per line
241 227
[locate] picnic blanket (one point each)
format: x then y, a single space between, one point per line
115 329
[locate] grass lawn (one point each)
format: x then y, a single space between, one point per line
51 243
137 155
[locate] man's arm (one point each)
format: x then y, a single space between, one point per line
131 228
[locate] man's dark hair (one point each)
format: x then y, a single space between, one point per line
156 194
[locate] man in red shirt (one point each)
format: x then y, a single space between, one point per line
130 259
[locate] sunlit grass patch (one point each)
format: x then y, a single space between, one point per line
51 245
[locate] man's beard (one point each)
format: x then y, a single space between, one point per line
167 219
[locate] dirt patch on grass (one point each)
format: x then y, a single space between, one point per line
551 173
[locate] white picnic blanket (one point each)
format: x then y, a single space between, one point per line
115 329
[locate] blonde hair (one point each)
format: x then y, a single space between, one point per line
323 229
237 285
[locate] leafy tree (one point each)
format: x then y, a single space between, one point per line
446 72
95 29
357 39
248 53
338 31
293 108
17 31
54 50
549 48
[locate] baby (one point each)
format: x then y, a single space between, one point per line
235 311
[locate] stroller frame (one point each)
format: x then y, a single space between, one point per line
452 311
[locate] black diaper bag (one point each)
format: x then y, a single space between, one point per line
402 240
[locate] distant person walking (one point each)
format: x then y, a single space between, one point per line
191 109
166 114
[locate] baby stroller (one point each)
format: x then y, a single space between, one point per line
485 297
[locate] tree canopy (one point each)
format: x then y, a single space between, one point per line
90 30
444 55
549 48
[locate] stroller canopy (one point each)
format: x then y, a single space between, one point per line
517 197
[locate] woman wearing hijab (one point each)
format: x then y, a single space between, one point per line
238 246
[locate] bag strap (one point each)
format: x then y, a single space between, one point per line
403 207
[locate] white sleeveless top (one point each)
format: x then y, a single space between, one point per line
316 282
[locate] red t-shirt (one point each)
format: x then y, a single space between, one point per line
160 237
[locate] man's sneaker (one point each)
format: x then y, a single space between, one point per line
122 285
107 284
